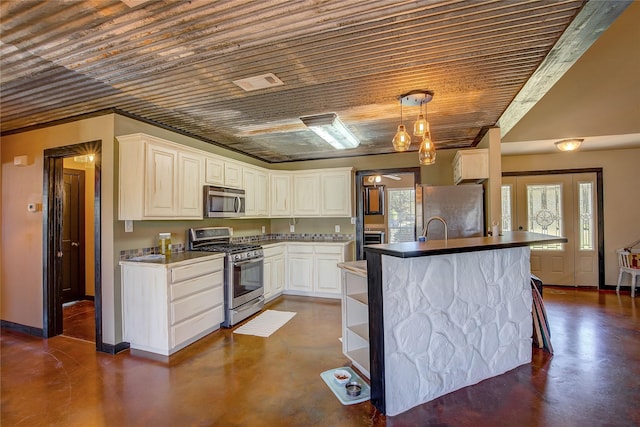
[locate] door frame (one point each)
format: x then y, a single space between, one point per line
599 208
360 199
52 237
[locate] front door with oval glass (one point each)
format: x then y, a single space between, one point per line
559 205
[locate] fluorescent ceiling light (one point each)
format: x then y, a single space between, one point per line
331 129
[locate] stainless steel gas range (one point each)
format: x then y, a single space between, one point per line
243 271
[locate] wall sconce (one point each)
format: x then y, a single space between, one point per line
402 140
332 130
569 144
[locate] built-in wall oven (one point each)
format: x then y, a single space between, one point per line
243 271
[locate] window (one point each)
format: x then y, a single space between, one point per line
544 212
506 191
402 214
585 202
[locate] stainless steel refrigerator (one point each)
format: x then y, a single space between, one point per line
462 207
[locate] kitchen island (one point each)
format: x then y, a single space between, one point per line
447 314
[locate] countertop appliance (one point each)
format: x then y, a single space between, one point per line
461 206
221 202
243 271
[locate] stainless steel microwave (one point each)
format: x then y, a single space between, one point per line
220 202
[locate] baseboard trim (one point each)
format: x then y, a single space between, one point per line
30 330
113 348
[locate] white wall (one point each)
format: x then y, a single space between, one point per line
621 177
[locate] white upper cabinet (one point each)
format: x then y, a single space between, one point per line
336 192
158 179
190 196
161 182
256 187
471 166
280 194
214 171
306 194
232 174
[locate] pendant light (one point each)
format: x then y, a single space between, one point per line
402 139
420 125
427 152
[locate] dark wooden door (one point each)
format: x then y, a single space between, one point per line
73 286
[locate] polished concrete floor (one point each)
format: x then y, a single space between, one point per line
593 379
78 320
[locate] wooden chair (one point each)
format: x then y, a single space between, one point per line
624 262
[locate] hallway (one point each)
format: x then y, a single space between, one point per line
238 380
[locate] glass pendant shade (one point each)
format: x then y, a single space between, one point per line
420 126
402 139
427 152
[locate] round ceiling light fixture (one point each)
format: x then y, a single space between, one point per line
569 144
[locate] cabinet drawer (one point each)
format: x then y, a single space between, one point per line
277 250
195 304
194 270
195 285
328 249
190 328
300 249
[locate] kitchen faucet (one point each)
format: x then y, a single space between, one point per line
426 226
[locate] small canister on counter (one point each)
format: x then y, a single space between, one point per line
164 242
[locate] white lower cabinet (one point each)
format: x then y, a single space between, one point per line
313 268
274 277
169 306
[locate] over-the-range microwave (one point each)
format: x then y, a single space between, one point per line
221 202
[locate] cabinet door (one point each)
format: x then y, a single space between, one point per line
336 194
214 171
249 178
277 274
267 280
301 272
161 182
328 275
262 193
189 185
306 198
232 175
280 195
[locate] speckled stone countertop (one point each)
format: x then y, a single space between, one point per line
173 259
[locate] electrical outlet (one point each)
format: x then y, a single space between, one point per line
337 228
128 226
264 229
353 220
292 228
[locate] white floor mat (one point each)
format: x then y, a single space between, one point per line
266 323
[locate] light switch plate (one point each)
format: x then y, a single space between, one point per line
337 228
353 220
264 229
128 226
292 228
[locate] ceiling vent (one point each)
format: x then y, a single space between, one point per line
259 82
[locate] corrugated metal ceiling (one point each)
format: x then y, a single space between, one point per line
175 63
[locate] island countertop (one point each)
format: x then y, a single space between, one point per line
509 239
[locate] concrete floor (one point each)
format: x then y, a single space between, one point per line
237 380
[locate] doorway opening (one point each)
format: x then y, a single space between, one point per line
385 209
561 203
71 247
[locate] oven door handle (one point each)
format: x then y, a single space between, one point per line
248 261
258 301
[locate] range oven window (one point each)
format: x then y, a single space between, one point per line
247 276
